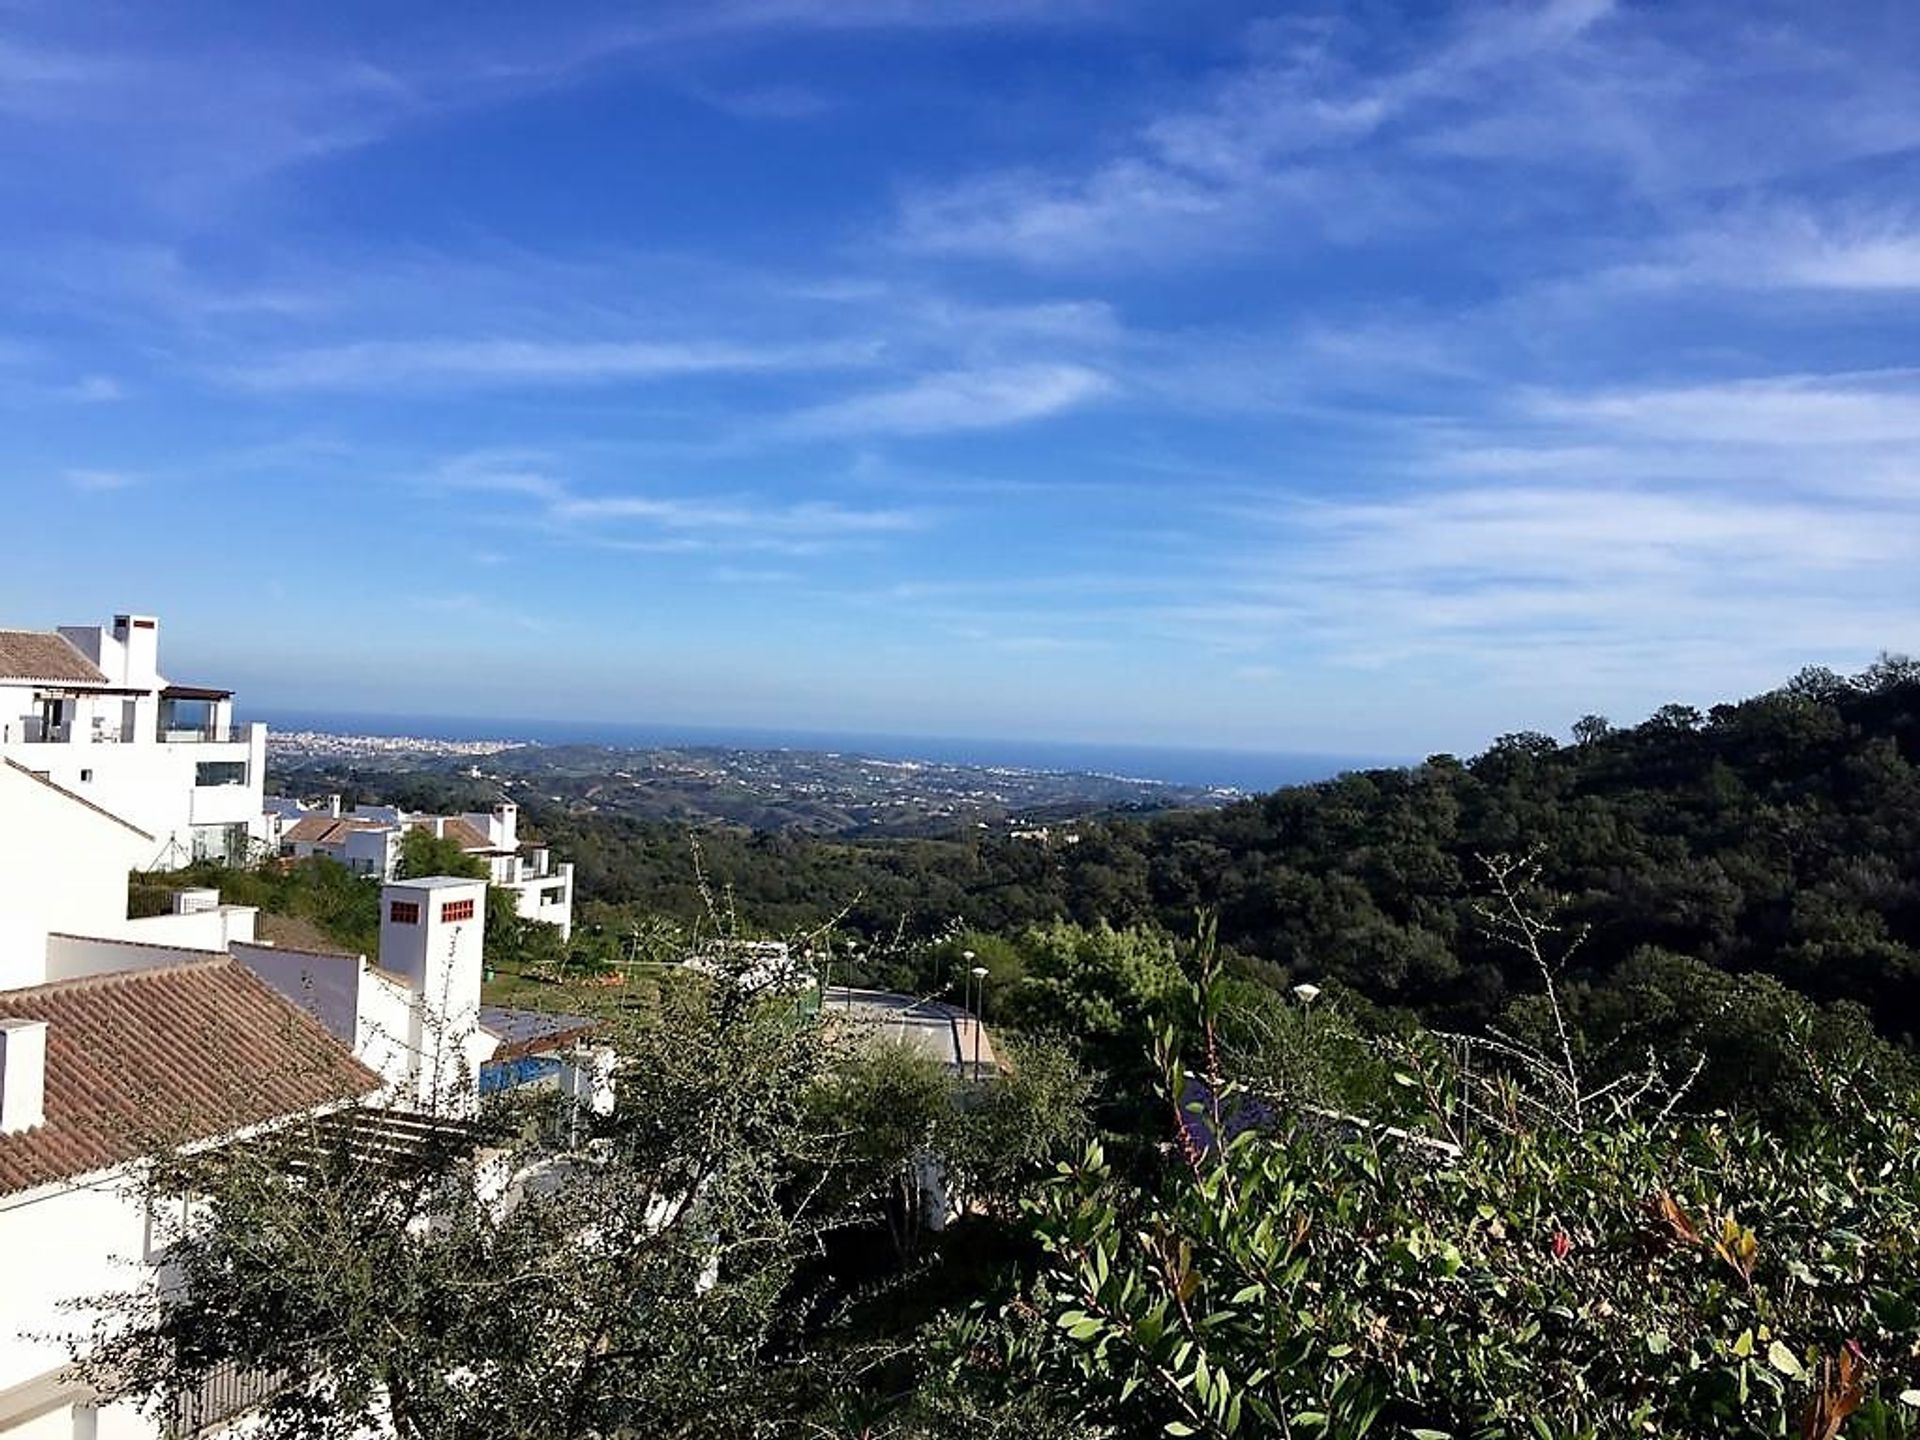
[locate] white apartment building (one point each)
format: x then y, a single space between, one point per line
88 707
367 840
183 1025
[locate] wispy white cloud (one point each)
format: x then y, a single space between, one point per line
1219 172
186 125
1876 409
956 400
811 519
96 389
384 364
1783 246
878 14
768 102
97 481
656 520
1327 134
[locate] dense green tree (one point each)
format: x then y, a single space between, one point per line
424 853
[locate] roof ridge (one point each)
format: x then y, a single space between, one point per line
213 960
199 950
259 944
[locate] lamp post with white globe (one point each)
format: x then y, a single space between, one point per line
979 973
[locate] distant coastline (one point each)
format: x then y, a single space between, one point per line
1239 769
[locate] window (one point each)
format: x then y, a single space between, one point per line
403 912
220 772
86 777
553 895
457 910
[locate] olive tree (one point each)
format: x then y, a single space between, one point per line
454 1279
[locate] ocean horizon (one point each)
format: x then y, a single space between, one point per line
1247 770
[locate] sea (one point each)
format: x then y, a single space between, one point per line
1244 770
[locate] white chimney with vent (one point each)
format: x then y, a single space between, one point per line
139 638
433 932
23 1075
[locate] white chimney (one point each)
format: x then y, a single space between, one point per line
433 932
139 637
333 807
23 1075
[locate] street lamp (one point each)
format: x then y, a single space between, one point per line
979 973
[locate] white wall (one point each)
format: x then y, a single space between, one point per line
362 1007
154 785
530 902
383 1040
63 866
72 957
56 1246
213 929
326 986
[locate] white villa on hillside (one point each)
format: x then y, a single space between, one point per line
367 840
87 707
114 1030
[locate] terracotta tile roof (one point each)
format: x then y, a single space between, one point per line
44 655
175 1053
454 828
465 835
311 829
327 829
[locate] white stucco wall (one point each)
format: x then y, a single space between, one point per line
56 1246
326 986
63 866
361 1006
154 785
213 929
530 900
72 957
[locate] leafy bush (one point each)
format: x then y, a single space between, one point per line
1297 1274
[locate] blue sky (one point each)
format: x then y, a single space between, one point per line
1370 379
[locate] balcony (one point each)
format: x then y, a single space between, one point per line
190 713
227 1393
199 734
35 731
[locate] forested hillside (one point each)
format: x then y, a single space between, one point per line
1780 836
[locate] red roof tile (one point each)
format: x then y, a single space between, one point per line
44 655
144 1058
327 829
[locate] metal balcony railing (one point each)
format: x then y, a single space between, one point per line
190 734
227 1392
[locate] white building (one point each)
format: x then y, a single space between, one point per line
368 838
88 707
117 1034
